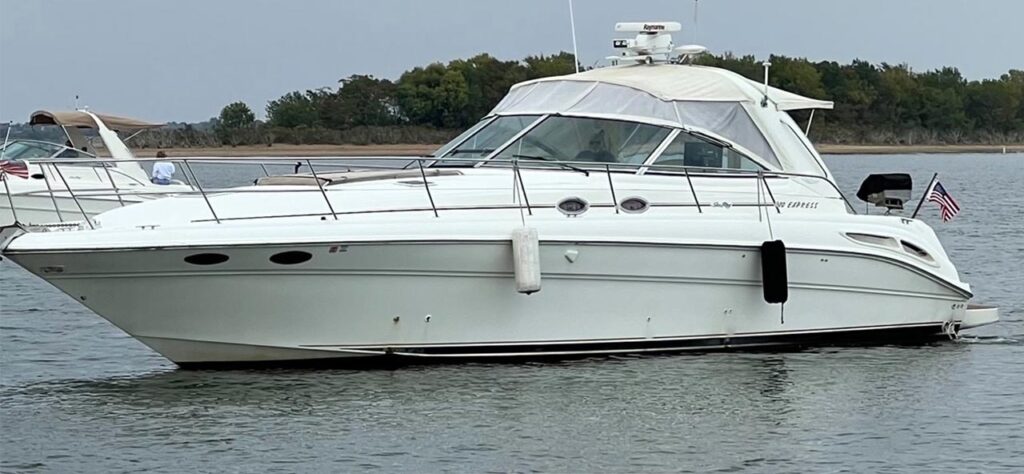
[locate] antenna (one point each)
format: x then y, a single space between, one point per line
767 64
76 101
696 4
572 25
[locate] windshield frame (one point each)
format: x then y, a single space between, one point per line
641 168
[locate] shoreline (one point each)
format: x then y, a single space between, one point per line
284 150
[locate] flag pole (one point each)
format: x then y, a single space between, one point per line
927 191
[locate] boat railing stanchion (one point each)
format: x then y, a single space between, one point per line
320 185
10 199
611 187
49 189
264 167
73 196
106 167
426 186
693 190
3 174
522 186
770 195
185 175
195 179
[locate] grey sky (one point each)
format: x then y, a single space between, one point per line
183 60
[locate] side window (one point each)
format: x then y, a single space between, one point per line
688 150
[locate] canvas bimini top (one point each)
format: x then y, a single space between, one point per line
84 119
680 95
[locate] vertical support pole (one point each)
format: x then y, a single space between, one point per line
693 190
770 194
113 186
321 186
188 167
10 199
49 189
73 197
426 186
522 186
615 200
185 175
3 174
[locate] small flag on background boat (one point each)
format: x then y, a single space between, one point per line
948 206
14 167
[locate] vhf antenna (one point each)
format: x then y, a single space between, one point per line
696 24
572 26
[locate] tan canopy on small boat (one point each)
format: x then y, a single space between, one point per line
79 119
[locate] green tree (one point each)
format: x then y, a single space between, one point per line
365 101
434 95
487 81
546 66
236 115
994 105
796 75
234 118
293 109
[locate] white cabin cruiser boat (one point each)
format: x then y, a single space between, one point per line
42 196
648 207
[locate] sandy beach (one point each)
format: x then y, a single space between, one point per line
418 149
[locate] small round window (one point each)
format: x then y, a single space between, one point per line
573 206
634 205
291 257
206 258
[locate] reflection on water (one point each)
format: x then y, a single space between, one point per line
76 395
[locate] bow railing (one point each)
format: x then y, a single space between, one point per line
321 171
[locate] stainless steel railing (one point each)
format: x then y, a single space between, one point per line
765 196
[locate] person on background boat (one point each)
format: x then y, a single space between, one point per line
163 171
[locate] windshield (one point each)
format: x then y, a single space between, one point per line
689 150
587 139
19 150
490 136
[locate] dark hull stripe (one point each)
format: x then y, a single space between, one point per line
383 357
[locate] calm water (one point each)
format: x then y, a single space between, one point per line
77 395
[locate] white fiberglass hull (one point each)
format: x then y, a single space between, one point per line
457 299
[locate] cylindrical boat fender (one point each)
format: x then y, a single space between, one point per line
774 278
526 259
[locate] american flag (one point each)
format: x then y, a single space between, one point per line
948 206
14 167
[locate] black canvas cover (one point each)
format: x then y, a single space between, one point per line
877 183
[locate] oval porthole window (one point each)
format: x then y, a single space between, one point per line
291 257
573 206
206 258
634 205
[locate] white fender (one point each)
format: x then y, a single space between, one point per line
526 259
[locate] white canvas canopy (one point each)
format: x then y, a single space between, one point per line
697 97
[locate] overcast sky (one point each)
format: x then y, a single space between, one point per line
183 60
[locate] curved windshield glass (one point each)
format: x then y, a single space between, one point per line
490 136
19 150
587 139
693 151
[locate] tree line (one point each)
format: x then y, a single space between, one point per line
874 104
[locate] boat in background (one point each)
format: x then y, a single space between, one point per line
52 192
652 206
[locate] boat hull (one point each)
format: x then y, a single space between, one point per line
457 300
